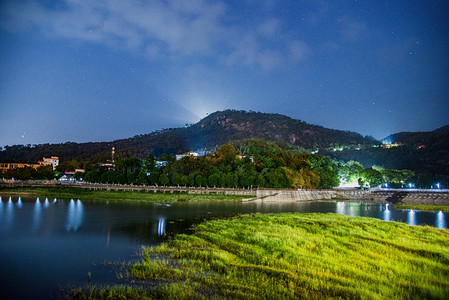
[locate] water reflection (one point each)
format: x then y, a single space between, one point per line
9 213
74 215
386 213
411 218
37 215
341 208
440 221
75 231
161 226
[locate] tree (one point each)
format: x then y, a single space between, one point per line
199 180
149 163
176 179
69 165
132 177
78 176
163 179
142 178
154 177
350 171
293 177
328 178
167 158
213 180
372 176
309 179
44 172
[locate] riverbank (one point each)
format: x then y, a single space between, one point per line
292 256
422 207
429 201
63 192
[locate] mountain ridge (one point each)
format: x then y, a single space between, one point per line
218 128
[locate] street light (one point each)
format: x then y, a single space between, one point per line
438 186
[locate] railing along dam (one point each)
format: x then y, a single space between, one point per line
377 196
437 197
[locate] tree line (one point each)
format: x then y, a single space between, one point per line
239 164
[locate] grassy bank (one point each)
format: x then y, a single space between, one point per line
443 208
289 256
61 192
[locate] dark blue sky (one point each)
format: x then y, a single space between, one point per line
82 71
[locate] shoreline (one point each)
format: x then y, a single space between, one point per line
63 192
248 256
167 195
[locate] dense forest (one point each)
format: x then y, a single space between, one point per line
250 163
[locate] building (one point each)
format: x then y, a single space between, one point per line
391 145
10 166
52 161
242 156
193 154
47 161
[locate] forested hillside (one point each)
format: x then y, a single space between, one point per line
422 152
217 129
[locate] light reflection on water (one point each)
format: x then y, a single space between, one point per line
9 213
440 221
411 218
37 215
386 213
74 211
46 203
74 215
161 226
86 234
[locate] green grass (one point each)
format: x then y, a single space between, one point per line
119 196
303 256
443 208
290 256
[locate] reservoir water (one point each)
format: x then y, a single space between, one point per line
51 244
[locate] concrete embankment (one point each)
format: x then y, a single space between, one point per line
138 188
376 196
410 197
430 197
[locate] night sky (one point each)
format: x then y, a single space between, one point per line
84 71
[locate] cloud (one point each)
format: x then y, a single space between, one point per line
299 51
269 28
167 29
352 30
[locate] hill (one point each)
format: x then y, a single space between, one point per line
216 129
420 139
422 152
224 126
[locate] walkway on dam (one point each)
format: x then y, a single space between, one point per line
409 196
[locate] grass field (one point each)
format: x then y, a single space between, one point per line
443 208
290 256
122 196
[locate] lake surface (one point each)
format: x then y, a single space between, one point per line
49 244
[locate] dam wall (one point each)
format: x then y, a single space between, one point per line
376 196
